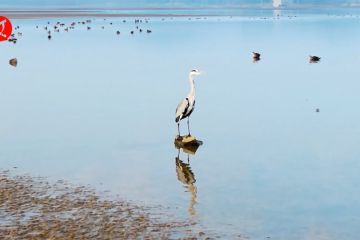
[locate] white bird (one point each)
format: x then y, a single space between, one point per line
186 106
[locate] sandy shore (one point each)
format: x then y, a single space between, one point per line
33 208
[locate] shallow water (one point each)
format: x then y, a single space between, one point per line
95 108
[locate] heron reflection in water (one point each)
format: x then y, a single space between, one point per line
186 176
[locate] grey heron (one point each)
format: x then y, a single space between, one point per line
186 106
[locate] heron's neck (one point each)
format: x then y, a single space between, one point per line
192 86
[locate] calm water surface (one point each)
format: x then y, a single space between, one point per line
95 108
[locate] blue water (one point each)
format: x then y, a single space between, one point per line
96 108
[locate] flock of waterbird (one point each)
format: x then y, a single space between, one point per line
61 26
57 27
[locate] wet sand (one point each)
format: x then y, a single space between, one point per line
33 208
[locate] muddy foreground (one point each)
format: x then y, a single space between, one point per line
33 208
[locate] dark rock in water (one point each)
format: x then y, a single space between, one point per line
117 32
317 110
49 37
148 31
13 62
189 143
132 32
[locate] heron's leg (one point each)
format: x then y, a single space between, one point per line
179 129
188 125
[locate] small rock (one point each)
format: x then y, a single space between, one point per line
13 62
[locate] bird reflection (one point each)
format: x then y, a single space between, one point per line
187 177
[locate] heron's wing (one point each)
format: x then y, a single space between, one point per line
181 109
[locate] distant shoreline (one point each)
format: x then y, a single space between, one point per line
35 14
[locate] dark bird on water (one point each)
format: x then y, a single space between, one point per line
187 106
256 55
313 59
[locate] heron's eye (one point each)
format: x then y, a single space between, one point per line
193 70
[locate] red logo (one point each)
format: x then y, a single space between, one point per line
5 28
